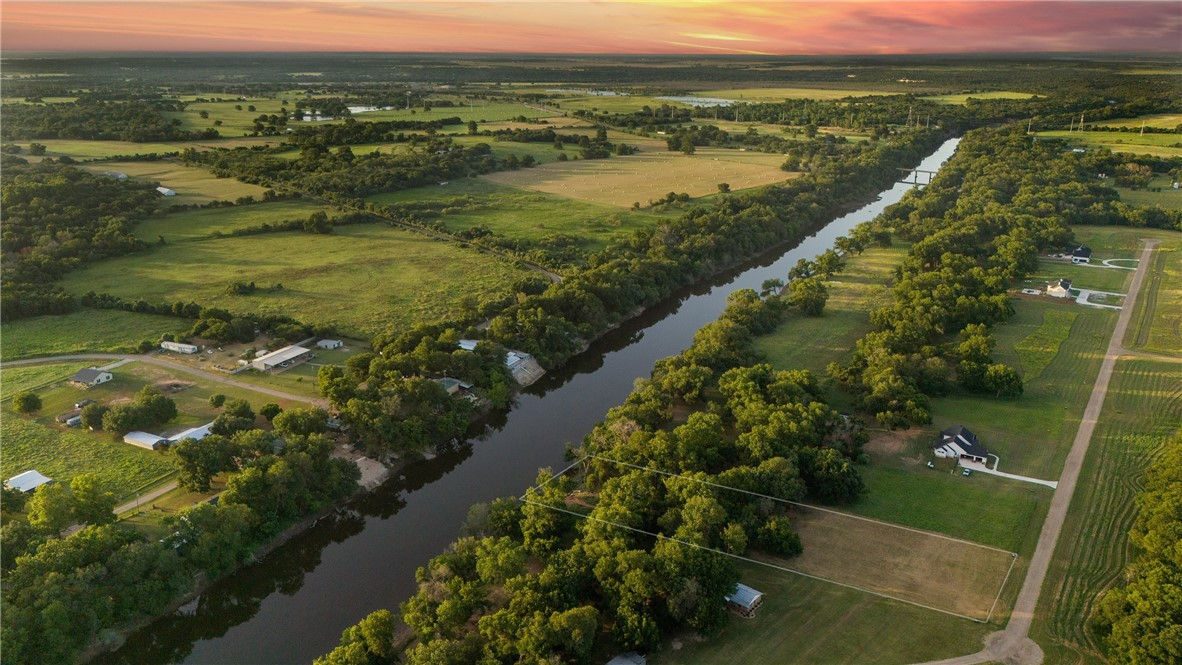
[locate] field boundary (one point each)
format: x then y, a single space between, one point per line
524 498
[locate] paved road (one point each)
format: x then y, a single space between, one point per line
161 362
1013 645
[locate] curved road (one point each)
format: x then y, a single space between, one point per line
160 362
1013 645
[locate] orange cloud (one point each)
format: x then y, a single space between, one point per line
582 26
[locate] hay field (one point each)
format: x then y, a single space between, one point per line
86 330
780 94
192 185
197 224
964 98
649 175
1160 145
82 149
1156 120
954 576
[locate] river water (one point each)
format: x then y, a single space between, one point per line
292 605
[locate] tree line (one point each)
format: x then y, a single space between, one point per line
99 120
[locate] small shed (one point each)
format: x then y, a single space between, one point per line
90 377
166 191
28 481
329 344
178 347
145 440
1060 288
744 600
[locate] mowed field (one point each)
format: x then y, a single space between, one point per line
85 150
197 224
965 97
1160 145
809 622
87 330
1160 192
191 184
1142 412
1155 120
648 175
780 94
365 278
924 568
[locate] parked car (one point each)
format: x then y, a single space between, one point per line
79 405
966 472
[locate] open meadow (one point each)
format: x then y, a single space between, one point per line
204 223
83 150
364 278
1160 145
649 175
1155 120
782 93
963 98
88 330
235 116
1160 192
192 185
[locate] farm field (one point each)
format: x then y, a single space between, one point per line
780 94
192 185
649 175
87 150
1155 120
470 110
87 330
1160 145
809 622
234 122
1141 414
31 377
949 575
198 224
610 104
363 278
1167 197
522 213
965 97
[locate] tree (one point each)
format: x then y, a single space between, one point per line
318 222
472 127
36 149
1003 380
93 502
239 408
216 400
51 509
724 188
123 418
809 295
26 401
270 410
300 422
200 461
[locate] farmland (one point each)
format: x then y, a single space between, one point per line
1082 276
780 94
964 98
1159 192
1156 121
393 278
192 185
1161 145
16 379
91 330
197 224
87 150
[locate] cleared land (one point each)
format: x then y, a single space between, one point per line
233 120
1165 195
89 330
1082 277
649 175
807 622
610 104
965 97
780 94
1155 120
364 278
1039 348
521 213
192 185
1141 414
16 379
1161 145
197 224
84 150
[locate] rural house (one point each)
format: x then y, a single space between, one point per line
90 377
744 600
329 344
28 481
1081 254
960 443
1060 288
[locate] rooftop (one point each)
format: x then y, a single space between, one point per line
743 595
962 440
28 481
87 375
282 355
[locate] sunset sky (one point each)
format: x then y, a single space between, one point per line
593 26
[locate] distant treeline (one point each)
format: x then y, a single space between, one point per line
137 120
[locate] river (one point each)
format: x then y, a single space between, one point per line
292 605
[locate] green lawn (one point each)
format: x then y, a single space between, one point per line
1166 196
526 214
1083 277
16 379
964 98
195 224
1155 120
807 622
1039 348
192 185
364 278
780 94
87 330
1161 145
1142 412
86 149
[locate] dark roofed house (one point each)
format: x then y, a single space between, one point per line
960 443
90 377
1081 254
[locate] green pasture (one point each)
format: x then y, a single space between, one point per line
234 122
1167 197
963 98
1039 348
806 622
1083 277
526 214
1154 120
84 331
1141 414
192 185
470 110
757 95
364 278
1160 145
197 224
87 150
31 377
604 104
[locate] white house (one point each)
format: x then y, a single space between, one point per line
28 481
1060 288
960 443
1081 254
281 359
178 347
744 600
166 191
144 440
90 377
329 344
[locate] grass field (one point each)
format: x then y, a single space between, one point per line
616 104
1141 413
234 122
965 97
649 175
1155 120
16 379
197 224
780 94
491 112
1039 348
88 330
1167 197
1161 145
1082 277
807 622
522 213
192 185
931 570
84 150
364 278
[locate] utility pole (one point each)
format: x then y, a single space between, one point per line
1142 128
1029 122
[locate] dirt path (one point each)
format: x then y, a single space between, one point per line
146 498
1013 645
160 362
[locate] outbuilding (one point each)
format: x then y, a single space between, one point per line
178 347
195 433
28 481
329 344
630 658
90 377
1081 254
145 440
960 443
166 191
282 358
744 600
1060 288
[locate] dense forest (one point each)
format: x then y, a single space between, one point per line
101 120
